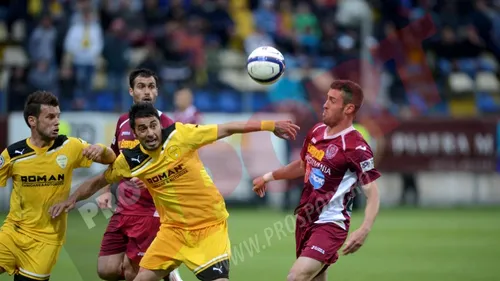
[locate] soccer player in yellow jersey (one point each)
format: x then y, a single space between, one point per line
193 213
41 168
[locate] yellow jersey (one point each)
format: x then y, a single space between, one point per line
183 192
41 178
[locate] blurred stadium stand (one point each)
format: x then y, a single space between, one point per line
204 44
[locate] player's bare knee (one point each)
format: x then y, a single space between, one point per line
109 272
304 269
296 275
321 277
129 273
2 270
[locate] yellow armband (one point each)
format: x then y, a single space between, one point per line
267 125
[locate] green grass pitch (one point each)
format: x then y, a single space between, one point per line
404 245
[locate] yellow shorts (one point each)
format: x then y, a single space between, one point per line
201 249
21 254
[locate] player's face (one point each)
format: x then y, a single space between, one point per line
145 90
148 132
183 99
334 110
47 123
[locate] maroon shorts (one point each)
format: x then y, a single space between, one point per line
320 242
131 235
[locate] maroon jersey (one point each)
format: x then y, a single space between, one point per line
130 200
189 116
335 166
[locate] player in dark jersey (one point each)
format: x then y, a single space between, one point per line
335 159
135 221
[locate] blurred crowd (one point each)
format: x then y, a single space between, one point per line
83 50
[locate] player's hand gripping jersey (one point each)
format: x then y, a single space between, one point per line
41 178
183 192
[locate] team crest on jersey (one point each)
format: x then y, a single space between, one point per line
2 161
331 151
174 152
62 161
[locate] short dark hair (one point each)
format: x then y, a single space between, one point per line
34 102
351 92
141 110
141 72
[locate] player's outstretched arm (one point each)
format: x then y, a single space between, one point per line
99 153
357 238
291 171
282 129
84 191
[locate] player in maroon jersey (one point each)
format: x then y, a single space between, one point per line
135 221
335 159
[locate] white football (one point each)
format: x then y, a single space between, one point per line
265 65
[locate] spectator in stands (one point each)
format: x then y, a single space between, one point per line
136 25
67 85
285 33
221 23
185 111
84 42
153 58
116 52
42 42
154 17
43 75
307 28
265 17
18 88
257 39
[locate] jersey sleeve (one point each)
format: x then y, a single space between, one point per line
303 151
196 136
114 143
361 160
118 170
166 121
5 168
77 147
307 140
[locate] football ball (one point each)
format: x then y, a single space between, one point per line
265 65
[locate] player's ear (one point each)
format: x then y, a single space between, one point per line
349 108
32 121
131 92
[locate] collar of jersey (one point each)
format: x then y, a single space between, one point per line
37 149
154 153
343 132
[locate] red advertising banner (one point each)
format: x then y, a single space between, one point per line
439 145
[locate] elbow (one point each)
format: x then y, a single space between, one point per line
98 183
223 132
109 160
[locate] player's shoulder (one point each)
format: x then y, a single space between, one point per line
122 120
18 149
135 157
165 120
317 129
353 140
173 132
